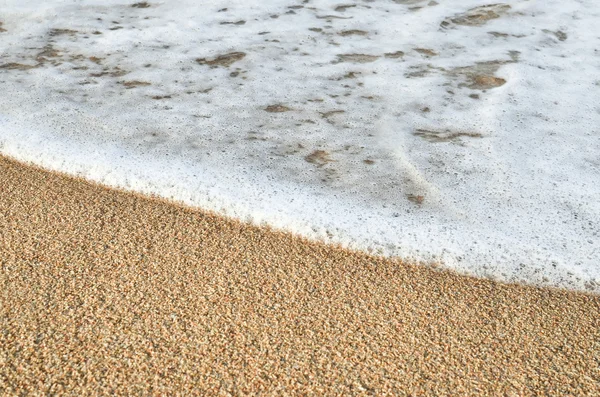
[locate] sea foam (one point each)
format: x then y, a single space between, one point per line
445 132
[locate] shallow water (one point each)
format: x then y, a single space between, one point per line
436 131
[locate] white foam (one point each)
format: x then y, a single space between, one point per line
510 181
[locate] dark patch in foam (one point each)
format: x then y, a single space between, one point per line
560 35
407 2
417 199
116 72
222 60
477 16
135 83
444 136
61 32
332 17
422 70
278 108
394 55
241 22
142 4
482 82
47 52
353 32
17 66
426 51
357 58
319 157
344 7
331 113
500 34
481 75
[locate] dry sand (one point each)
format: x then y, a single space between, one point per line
103 291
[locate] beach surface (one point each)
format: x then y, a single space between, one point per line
104 291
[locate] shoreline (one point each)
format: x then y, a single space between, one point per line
110 290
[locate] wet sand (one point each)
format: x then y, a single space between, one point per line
103 291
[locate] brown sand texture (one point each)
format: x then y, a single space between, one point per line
108 292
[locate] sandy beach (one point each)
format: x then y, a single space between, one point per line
103 291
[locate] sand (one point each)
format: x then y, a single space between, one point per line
103 291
